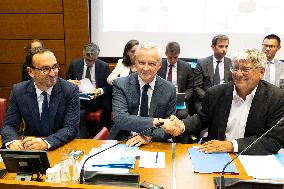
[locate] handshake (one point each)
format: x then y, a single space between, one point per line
172 125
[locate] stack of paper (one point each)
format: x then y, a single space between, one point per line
210 163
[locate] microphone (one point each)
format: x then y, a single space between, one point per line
158 125
222 179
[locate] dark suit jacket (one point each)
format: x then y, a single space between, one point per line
204 73
184 77
76 68
126 101
266 109
63 113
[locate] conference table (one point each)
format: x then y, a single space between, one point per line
177 174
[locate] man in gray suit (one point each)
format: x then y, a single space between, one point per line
140 99
274 69
212 70
48 105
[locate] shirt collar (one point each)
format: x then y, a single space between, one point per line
271 62
142 83
215 59
236 96
38 91
168 64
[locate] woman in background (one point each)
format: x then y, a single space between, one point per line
124 66
33 44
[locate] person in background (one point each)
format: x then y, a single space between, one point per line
274 69
142 98
33 44
124 66
212 70
97 71
238 112
48 105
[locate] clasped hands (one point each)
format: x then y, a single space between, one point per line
172 125
29 143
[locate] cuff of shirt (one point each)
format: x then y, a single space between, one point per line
235 145
8 143
102 91
48 145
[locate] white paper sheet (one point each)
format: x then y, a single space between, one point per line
262 167
1 160
152 159
86 86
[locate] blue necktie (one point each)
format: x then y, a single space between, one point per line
44 116
144 101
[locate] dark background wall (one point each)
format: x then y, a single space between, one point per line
62 25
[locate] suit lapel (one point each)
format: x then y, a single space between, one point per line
163 70
226 70
31 102
179 75
55 98
277 72
134 93
210 68
80 68
156 96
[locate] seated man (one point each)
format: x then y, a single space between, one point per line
48 105
141 98
238 112
97 71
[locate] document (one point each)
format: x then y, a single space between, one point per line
152 159
263 167
210 163
86 86
1 160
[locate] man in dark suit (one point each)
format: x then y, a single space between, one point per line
212 70
179 73
96 71
237 113
141 98
48 105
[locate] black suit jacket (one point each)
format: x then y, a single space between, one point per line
266 109
184 77
204 73
76 68
63 113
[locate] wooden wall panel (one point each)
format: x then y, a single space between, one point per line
45 26
62 72
10 74
13 26
5 92
13 6
58 47
76 28
12 51
44 6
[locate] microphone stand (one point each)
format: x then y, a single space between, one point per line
222 179
82 172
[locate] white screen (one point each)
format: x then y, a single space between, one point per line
192 23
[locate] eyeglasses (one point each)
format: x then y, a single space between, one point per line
47 69
243 70
91 54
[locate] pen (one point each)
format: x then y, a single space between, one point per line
23 133
157 154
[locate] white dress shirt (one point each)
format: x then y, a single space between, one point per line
174 74
271 71
221 68
237 120
92 71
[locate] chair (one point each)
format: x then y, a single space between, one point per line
3 107
94 116
103 134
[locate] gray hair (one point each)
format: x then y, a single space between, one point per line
219 37
150 46
254 56
91 48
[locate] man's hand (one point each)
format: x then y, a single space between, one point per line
32 143
97 93
76 82
216 146
171 127
16 145
138 140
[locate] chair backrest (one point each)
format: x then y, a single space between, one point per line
3 107
103 134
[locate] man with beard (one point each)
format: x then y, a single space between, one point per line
48 106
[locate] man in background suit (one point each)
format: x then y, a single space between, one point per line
141 98
179 73
48 105
212 70
97 71
274 69
237 113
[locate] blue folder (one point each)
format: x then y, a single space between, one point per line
210 163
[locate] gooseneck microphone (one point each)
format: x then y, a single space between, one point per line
82 172
222 179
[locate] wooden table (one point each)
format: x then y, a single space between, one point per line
177 173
